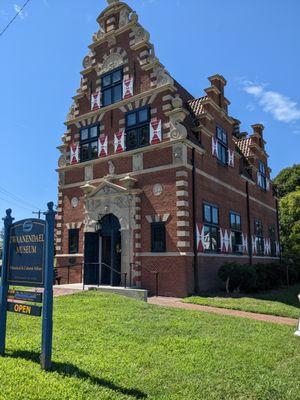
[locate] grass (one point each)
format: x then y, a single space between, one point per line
110 348
282 302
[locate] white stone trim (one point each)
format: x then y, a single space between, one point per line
183 244
183 223
182 193
182 203
183 214
182 174
183 233
182 183
69 255
169 254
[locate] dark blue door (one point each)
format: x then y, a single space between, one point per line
110 250
91 258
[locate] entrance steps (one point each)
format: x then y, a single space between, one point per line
137 294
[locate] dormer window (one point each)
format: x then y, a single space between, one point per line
112 87
137 128
89 143
222 139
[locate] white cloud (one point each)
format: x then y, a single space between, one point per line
281 107
22 14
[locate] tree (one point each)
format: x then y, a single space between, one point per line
288 180
289 211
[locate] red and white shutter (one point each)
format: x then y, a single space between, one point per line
225 240
96 100
258 178
277 247
119 141
231 158
74 153
155 131
214 146
127 88
254 245
102 145
200 237
267 247
245 243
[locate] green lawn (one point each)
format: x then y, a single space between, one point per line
110 347
282 302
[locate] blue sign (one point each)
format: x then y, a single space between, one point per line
26 253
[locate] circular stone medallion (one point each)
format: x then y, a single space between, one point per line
74 202
157 189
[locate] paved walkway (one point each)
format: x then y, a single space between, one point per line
177 303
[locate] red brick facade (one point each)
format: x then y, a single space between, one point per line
169 180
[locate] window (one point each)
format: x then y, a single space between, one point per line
89 143
112 87
262 181
73 241
158 237
137 128
222 145
259 233
211 227
272 240
236 232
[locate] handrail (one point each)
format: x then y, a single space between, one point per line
112 269
156 273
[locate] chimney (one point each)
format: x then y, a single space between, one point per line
257 134
218 81
216 91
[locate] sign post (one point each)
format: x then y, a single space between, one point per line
4 285
28 255
47 324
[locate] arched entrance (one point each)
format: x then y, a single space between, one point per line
102 255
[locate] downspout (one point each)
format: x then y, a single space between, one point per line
249 224
196 275
278 229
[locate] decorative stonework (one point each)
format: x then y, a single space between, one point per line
88 173
162 77
177 117
124 17
157 189
179 154
137 162
71 113
113 61
62 162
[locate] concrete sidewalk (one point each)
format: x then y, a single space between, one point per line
177 303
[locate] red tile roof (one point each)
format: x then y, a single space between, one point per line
244 146
196 105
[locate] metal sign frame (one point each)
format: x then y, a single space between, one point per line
47 314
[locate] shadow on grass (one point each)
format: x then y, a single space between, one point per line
70 370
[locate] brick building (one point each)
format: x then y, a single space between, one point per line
152 179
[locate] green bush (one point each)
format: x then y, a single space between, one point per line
257 277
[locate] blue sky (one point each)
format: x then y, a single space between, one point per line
254 44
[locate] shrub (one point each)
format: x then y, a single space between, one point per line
256 277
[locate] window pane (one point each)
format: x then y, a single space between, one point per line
94 132
84 134
144 136
238 222
94 149
106 81
85 152
73 241
206 237
131 140
158 238
131 119
207 213
117 93
215 218
117 76
107 97
222 153
214 238
232 220
143 115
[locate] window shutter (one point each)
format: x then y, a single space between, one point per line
155 131
225 240
254 245
200 237
258 178
96 100
74 153
267 184
231 158
119 141
277 246
245 243
214 146
127 88
102 145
